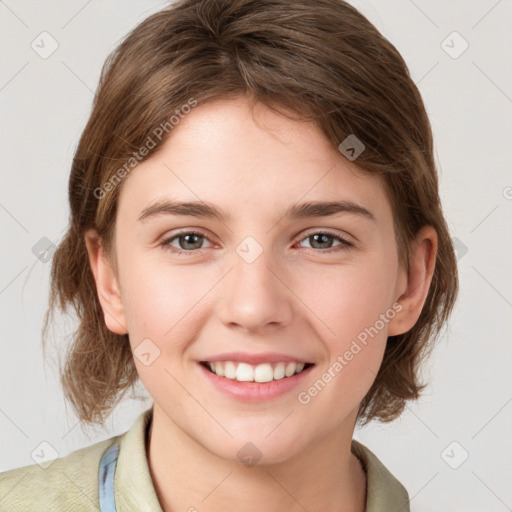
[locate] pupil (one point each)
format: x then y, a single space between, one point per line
187 242
321 236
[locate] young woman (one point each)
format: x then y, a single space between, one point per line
256 233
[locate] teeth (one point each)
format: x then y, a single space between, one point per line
265 372
229 369
279 371
244 373
290 369
219 369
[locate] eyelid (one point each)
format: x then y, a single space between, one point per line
345 237
181 232
345 242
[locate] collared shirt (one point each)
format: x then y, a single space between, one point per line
71 483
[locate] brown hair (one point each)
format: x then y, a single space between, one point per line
321 61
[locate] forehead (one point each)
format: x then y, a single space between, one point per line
248 162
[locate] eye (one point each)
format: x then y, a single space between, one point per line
324 240
188 242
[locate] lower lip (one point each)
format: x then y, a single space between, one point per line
254 391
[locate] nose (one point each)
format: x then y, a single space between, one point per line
255 296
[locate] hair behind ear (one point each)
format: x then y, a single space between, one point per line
98 366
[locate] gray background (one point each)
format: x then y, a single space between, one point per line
45 103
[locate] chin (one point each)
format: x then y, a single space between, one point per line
252 450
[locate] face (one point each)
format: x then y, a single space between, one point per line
260 290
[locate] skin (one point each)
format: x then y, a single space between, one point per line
296 298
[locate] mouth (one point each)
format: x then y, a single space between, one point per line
260 373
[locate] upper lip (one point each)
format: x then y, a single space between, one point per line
264 357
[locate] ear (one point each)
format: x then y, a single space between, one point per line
107 284
422 259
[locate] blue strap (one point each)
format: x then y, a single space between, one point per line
106 479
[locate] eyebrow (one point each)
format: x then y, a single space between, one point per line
208 210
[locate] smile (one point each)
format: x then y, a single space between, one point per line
264 372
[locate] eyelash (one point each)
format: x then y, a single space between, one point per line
345 244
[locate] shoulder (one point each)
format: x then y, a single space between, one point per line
384 490
68 483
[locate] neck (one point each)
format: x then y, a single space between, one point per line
187 476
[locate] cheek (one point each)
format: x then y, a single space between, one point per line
158 299
349 306
353 307
161 304
349 299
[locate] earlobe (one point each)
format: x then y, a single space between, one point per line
422 260
107 285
